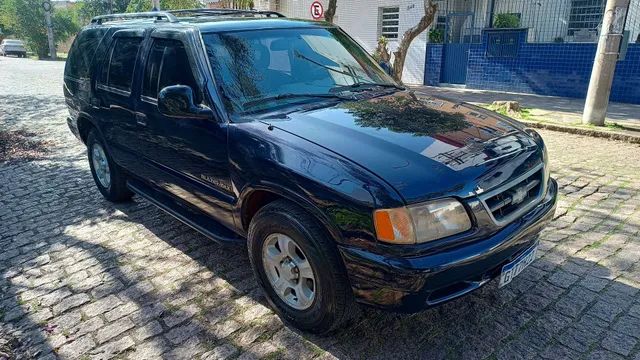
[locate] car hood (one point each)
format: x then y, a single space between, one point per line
425 147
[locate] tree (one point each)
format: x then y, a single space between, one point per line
25 18
66 22
5 30
145 5
91 8
400 54
331 11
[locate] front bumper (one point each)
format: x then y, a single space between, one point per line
73 126
410 284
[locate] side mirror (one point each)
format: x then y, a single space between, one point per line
177 101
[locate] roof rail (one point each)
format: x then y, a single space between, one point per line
157 15
223 12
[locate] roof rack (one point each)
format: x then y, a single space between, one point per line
224 12
157 15
172 15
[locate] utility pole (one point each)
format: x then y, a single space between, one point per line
604 65
155 5
47 16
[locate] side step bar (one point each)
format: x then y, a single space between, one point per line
191 217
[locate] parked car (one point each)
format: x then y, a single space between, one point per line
13 47
286 136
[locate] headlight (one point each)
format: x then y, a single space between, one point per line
422 222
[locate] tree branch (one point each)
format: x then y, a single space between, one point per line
430 9
331 11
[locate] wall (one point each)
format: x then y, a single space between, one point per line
545 69
434 64
359 18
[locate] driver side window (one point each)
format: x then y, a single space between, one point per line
167 64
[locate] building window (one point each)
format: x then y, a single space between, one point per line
441 22
585 15
389 22
122 59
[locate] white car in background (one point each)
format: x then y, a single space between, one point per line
12 47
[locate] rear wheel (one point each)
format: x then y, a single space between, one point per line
298 266
109 177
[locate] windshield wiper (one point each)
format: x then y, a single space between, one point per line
363 86
358 80
368 85
293 95
298 54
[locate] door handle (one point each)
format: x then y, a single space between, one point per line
141 119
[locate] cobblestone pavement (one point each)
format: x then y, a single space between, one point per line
83 278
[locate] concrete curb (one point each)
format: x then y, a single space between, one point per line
612 135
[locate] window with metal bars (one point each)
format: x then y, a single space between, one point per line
585 15
389 22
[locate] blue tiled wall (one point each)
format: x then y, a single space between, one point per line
545 69
433 64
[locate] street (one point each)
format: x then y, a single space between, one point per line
83 278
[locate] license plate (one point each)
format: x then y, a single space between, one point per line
512 269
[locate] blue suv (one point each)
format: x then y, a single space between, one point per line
286 136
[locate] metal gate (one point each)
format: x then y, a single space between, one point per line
457 39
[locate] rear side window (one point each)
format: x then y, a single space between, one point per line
167 64
122 60
82 52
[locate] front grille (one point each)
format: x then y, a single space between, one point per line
514 198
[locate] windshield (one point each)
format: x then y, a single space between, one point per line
265 68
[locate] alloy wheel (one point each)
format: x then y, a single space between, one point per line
289 271
101 165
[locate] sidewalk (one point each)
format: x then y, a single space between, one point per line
567 111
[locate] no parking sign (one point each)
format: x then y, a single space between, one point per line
317 10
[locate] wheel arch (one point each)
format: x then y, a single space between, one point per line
254 198
85 125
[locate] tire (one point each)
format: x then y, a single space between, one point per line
115 189
332 304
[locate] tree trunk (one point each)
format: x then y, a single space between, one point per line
400 55
331 11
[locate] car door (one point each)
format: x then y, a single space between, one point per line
115 96
188 156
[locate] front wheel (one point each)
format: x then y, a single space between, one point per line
109 178
298 266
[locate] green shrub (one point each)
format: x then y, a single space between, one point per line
436 36
506 21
